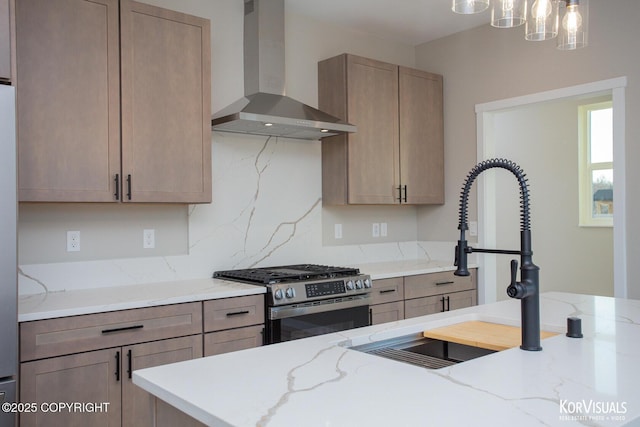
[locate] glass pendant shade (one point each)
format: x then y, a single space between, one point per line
542 20
573 27
508 13
468 7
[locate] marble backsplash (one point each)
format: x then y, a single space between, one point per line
266 210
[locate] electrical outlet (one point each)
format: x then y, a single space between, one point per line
149 238
337 231
383 229
375 229
73 241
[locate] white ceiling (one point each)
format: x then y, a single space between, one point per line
408 21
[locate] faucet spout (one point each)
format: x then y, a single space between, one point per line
527 290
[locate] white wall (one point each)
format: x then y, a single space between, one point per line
487 64
266 206
542 139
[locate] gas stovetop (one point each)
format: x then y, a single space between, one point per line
286 273
294 284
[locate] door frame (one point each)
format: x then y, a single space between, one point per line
487 277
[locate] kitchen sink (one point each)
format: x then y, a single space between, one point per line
425 352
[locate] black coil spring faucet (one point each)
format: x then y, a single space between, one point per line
527 290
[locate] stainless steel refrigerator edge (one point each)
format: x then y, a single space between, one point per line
8 254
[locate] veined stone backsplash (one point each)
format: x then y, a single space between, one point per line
266 210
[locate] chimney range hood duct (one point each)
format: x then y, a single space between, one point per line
265 110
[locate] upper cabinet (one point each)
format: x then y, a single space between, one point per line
114 102
397 154
5 42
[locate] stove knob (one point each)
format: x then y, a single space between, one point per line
350 285
278 294
367 283
358 284
290 293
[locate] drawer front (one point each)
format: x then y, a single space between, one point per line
424 285
233 340
423 306
389 312
236 312
387 290
439 303
67 335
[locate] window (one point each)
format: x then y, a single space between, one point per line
596 164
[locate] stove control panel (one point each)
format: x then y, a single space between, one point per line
325 289
292 293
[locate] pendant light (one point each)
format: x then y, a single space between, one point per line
468 7
573 29
542 20
508 13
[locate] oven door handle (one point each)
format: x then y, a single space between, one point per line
286 311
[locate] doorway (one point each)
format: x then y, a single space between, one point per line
494 207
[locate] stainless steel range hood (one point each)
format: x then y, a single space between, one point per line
265 110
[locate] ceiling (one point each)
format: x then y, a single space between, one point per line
407 21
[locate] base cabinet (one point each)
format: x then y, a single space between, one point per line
138 405
389 312
437 292
387 300
79 378
87 362
400 298
233 324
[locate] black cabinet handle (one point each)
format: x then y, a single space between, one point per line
442 301
405 194
125 328
370 317
129 187
399 188
237 313
387 291
129 363
448 304
117 180
118 365
444 283
264 337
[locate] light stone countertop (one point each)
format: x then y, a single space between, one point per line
48 305
71 303
319 381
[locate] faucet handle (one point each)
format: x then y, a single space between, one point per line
514 270
515 289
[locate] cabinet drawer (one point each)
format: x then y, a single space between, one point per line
389 312
236 312
424 285
387 290
233 340
66 335
439 303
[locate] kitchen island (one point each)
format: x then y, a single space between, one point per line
320 381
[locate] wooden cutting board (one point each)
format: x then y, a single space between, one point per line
492 336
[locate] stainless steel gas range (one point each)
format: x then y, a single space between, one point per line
306 300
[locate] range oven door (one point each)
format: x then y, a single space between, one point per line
286 323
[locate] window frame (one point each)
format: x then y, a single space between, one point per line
586 167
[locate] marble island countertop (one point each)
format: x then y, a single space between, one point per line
319 381
47 305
